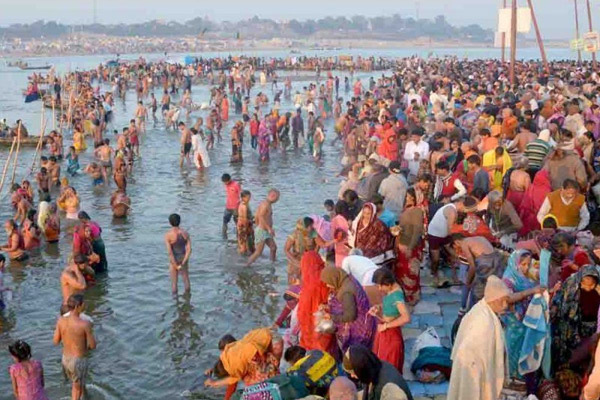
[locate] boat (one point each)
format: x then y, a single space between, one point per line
27 67
29 141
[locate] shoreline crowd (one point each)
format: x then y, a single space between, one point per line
446 168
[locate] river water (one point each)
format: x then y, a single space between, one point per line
151 345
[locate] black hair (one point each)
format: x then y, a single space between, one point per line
341 208
350 195
499 151
474 159
225 340
245 193
563 238
74 301
20 350
225 178
364 363
329 203
52 158
174 220
549 223
442 165
293 354
384 276
308 221
425 178
377 199
2 258
570 184
219 370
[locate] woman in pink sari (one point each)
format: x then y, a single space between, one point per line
532 201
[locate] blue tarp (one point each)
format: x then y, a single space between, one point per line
189 60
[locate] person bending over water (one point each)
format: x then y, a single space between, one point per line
264 233
179 249
120 204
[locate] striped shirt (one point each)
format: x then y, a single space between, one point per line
536 151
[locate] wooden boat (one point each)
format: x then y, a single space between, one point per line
26 67
29 141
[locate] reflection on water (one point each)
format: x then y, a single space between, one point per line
149 344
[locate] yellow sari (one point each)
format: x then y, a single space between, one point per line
490 160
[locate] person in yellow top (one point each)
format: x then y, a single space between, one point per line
79 141
496 162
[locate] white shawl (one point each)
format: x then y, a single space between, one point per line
478 356
200 150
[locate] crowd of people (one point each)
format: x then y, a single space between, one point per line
446 168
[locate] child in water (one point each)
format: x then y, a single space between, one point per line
27 375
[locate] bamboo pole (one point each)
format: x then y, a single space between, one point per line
38 147
503 38
589 12
577 31
14 173
53 115
5 169
513 41
538 36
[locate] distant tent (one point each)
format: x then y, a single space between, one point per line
188 60
112 63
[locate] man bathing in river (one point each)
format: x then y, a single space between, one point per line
72 280
120 204
179 249
186 143
77 338
264 233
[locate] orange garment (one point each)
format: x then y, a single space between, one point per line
388 148
313 294
509 126
225 109
237 356
566 215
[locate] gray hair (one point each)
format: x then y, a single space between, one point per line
355 252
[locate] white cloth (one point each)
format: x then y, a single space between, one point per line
393 189
458 185
361 268
438 226
199 149
478 356
409 155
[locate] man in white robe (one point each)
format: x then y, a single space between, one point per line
478 352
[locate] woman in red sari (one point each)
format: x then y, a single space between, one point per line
313 294
392 315
532 201
372 236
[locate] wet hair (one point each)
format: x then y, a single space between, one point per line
174 220
384 277
329 203
245 193
31 215
225 340
570 184
83 215
377 199
52 159
294 354
20 350
308 221
341 208
499 151
225 178
350 195
364 363
474 159
485 132
74 301
44 158
2 258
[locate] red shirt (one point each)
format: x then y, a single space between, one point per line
233 190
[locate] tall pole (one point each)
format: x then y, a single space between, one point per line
577 31
513 41
589 12
538 36
503 38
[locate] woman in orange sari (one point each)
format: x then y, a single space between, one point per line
314 293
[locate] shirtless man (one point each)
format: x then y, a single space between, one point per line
120 204
122 139
264 233
153 106
179 249
165 103
120 173
141 113
54 171
96 173
104 155
20 204
77 338
186 143
43 180
72 280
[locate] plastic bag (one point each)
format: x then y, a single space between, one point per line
429 338
323 325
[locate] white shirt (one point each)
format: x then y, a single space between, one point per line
439 184
409 155
584 215
361 268
439 223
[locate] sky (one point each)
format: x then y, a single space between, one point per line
556 17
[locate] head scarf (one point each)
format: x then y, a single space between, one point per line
236 356
513 276
495 289
371 220
544 135
339 280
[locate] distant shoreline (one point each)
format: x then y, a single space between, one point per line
252 46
